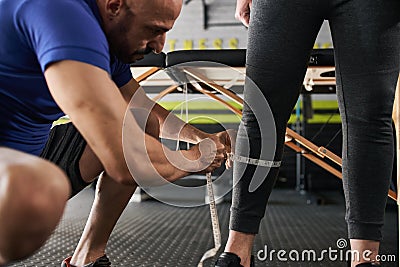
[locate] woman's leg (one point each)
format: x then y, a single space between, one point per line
281 36
366 37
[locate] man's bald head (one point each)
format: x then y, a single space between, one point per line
136 27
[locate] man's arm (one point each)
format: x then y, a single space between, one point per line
172 127
169 130
96 107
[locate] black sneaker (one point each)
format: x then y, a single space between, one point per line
228 259
100 262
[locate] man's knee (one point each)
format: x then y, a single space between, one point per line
32 198
37 178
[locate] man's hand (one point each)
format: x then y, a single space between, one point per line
226 138
243 11
207 155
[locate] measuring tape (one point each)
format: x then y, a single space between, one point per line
258 162
214 221
213 208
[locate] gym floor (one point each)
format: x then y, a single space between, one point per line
153 234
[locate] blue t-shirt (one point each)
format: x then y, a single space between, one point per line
33 34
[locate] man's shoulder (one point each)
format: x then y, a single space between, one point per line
48 6
55 30
22 12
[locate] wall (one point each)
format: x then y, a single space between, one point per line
221 31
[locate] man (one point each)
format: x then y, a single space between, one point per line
71 57
366 37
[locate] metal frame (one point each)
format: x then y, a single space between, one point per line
147 74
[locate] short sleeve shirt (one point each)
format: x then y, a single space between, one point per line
34 34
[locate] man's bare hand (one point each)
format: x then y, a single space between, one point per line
207 155
227 138
243 11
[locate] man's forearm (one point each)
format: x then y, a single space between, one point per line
172 127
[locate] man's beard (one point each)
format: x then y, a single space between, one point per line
144 52
122 53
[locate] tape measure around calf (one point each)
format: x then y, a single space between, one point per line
257 162
213 208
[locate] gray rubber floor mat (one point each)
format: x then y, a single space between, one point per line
152 234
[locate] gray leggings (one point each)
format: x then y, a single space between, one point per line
366 37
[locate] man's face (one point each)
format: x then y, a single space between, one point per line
140 27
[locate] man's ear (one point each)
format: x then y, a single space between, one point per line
113 7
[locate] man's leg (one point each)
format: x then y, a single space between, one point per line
110 201
33 194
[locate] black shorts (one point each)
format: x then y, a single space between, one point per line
64 148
